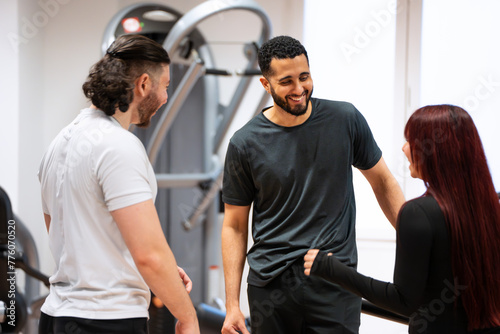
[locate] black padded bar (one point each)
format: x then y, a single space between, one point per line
373 310
249 72
213 71
21 264
212 319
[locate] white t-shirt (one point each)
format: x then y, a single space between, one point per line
92 167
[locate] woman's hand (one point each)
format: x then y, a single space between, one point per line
309 260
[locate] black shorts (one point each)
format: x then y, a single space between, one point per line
294 303
72 325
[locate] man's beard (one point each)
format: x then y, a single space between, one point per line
283 103
147 108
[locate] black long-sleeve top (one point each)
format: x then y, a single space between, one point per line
424 287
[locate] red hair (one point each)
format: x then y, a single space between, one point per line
448 153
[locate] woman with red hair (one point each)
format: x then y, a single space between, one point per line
447 271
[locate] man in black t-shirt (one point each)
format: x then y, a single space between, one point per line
293 163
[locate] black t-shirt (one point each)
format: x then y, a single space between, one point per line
299 180
424 285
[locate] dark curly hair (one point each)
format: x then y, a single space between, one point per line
110 83
280 47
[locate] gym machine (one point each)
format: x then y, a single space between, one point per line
19 308
193 124
185 136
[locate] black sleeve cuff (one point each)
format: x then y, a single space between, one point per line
322 266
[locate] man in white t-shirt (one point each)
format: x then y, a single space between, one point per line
98 190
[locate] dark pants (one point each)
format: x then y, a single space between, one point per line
72 325
296 303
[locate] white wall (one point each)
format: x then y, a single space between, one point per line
55 51
9 92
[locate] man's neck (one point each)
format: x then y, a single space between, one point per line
124 118
280 117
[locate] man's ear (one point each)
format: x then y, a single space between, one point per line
265 84
143 84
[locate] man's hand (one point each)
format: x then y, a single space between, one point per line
185 279
235 321
234 239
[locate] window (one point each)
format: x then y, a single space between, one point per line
460 66
388 65
351 48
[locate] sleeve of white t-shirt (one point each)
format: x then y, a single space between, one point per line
123 171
